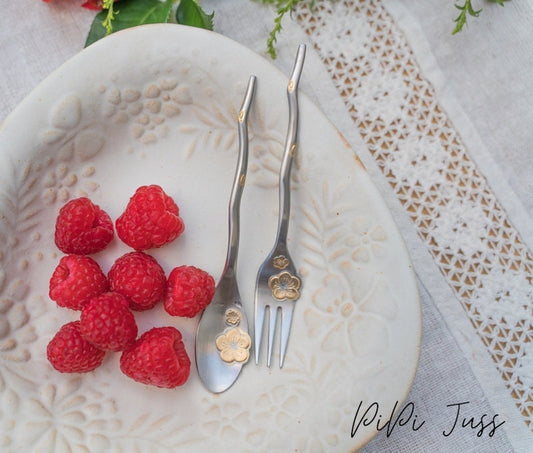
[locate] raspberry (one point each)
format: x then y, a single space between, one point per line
69 352
189 291
75 281
151 219
157 358
82 228
139 278
107 322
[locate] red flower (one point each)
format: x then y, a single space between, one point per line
89 4
93 4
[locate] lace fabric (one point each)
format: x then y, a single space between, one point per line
420 153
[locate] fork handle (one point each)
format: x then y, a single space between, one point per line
238 181
290 148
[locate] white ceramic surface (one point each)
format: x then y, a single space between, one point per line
157 105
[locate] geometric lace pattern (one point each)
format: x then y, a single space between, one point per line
450 203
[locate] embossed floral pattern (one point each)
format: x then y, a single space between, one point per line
147 109
349 322
336 416
75 143
16 332
227 421
67 414
367 239
351 305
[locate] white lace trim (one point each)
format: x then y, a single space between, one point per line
454 210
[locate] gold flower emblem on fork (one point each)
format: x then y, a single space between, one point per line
285 286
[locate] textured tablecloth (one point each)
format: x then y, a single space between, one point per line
442 124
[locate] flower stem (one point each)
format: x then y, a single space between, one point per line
108 21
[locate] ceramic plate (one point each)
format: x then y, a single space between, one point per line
158 105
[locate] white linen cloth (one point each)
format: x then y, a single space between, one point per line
442 124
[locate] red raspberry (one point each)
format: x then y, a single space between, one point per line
69 352
139 278
189 291
76 280
82 228
107 322
157 358
150 220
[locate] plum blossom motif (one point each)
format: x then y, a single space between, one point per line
282 406
234 345
368 240
280 262
285 286
233 317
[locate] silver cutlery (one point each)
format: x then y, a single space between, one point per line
278 284
222 339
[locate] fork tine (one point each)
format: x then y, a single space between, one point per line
258 329
286 321
271 329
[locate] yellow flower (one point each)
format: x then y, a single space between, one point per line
234 345
284 286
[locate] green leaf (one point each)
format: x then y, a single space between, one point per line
460 21
130 13
189 12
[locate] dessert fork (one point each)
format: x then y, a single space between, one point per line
278 285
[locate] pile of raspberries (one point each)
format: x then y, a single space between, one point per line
135 282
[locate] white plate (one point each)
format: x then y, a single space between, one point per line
157 105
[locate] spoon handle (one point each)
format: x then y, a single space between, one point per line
239 180
290 148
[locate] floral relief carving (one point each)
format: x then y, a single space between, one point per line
367 240
267 147
346 323
351 306
19 251
65 173
69 415
227 421
147 109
